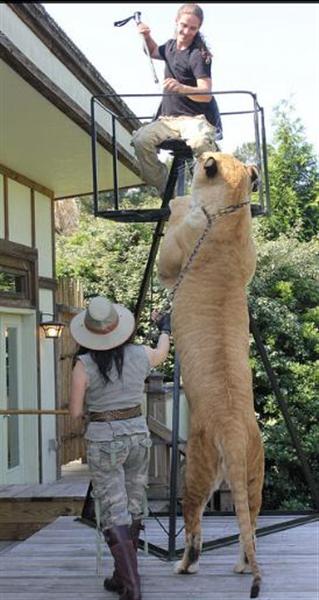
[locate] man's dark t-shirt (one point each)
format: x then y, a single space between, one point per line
186 66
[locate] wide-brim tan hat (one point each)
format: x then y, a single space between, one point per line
102 325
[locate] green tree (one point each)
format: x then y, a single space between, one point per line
284 297
294 177
246 153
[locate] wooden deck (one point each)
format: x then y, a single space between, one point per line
59 563
26 508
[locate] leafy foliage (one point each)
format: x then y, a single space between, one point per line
294 179
110 259
293 176
284 297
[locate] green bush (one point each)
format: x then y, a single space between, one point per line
284 298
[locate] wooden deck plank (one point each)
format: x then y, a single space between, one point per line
40 490
215 527
101 595
59 562
211 595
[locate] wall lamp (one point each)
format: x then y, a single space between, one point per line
52 329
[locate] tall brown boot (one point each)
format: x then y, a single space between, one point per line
114 583
121 545
135 529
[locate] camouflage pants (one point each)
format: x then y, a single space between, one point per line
119 473
195 130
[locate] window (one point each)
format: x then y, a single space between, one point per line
13 283
18 272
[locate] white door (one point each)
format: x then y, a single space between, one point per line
11 427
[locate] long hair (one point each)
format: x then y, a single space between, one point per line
105 359
199 40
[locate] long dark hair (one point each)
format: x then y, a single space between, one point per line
198 41
104 359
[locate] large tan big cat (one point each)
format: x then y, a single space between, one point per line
211 331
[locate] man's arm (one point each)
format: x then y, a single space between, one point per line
202 87
151 44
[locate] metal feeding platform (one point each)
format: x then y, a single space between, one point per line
182 157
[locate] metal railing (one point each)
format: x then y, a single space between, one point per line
262 208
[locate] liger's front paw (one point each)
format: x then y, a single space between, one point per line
196 218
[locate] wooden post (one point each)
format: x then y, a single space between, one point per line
160 452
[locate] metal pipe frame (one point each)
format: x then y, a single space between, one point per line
230 539
260 143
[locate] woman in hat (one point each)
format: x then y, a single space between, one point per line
107 385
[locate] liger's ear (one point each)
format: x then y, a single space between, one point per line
253 173
210 167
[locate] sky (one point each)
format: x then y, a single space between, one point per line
268 49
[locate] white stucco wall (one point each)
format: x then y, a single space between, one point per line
43 233
30 396
20 228
47 386
1 208
19 210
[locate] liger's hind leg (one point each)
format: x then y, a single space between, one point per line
254 503
247 562
200 480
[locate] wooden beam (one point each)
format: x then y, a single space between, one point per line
7 172
34 411
48 283
13 250
161 430
32 201
6 207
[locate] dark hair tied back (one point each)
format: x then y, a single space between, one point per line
105 359
199 42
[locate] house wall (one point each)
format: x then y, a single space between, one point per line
26 217
30 399
47 394
46 127
43 236
26 222
1 206
19 213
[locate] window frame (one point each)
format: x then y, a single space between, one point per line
17 259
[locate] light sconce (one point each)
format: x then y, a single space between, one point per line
52 329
